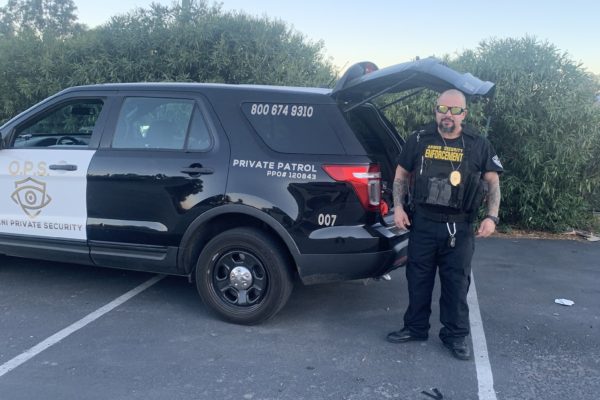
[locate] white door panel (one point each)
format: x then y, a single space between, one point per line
39 200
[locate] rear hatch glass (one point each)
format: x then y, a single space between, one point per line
302 128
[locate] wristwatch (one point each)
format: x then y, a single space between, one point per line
495 219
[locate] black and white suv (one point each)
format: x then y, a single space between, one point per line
240 187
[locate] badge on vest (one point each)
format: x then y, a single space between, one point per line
455 178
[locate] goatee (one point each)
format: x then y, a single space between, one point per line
446 128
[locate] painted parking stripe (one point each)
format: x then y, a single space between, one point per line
485 379
58 336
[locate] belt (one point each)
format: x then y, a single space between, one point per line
439 217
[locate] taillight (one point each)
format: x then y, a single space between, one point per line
365 180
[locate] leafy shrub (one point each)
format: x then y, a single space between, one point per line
544 124
195 43
546 129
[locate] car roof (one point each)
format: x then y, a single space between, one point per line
193 86
429 73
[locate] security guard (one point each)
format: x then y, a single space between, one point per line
443 171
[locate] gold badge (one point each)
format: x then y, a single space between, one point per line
454 178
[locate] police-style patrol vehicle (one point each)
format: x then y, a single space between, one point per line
238 187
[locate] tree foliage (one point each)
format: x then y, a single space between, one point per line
55 18
32 35
546 129
544 124
202 43
195 42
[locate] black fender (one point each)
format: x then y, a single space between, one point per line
229 209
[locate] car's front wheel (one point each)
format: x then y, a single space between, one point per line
243 275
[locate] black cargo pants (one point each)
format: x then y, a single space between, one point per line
428 251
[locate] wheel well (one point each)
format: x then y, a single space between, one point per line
221 223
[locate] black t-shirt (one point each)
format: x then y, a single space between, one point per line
482 156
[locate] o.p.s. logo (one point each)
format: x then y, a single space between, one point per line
31 195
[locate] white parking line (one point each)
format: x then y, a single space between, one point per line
58 336
485 379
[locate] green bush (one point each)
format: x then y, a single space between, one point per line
544 124
195 43
546 129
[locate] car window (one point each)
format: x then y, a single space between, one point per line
67 126
153 123
199 138
297 128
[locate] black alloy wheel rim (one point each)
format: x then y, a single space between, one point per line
239 278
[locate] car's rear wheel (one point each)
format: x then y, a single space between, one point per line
243 275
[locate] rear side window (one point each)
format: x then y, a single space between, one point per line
153 123
199 137
297 128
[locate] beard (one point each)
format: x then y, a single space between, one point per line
446 128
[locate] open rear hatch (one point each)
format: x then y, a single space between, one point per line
363 82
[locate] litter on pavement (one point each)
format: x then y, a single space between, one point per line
564 302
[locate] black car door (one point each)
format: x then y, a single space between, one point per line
162 164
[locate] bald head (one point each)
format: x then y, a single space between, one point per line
454 96
450 124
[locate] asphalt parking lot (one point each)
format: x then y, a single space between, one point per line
327 343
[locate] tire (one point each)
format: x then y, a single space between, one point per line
243 276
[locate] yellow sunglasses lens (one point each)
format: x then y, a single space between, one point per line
453 110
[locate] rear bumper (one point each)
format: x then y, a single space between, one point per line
352 263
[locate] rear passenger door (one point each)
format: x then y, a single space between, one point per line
163 163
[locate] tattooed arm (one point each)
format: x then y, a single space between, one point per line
400 189
488 226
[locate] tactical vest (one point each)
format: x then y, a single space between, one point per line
431 176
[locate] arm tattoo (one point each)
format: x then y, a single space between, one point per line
400 190
493 199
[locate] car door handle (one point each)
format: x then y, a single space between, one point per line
63 167
197 171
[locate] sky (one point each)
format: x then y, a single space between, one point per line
389 32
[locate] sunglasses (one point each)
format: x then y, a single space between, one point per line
453 110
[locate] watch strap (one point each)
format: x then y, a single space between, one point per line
493 218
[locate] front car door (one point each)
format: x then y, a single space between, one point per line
43 170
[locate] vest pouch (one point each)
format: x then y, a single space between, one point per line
439 192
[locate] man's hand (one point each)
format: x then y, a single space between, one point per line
401 218
486 228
